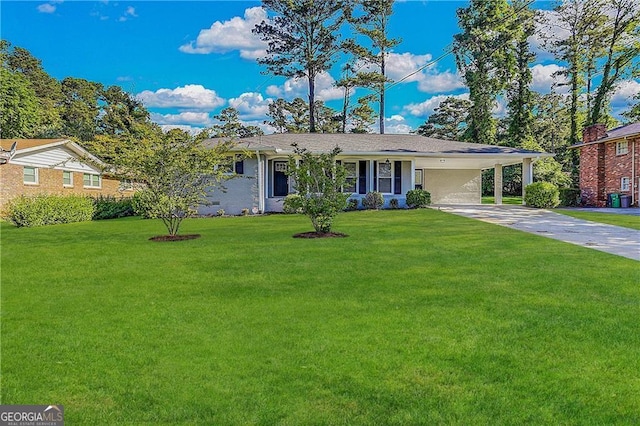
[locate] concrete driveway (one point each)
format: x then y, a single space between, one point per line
608 238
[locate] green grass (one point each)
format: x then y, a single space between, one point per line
418 317
626 221
505 200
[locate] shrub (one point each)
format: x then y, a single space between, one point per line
139 202
245 212
569 197
543 195
220 212
110 207
418 198
352 204
373 201
43 210
292 204
394 204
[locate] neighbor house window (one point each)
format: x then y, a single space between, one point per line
625 184
385 177
67 178
418 179
622 147
352 177
91 181
126 185
30 175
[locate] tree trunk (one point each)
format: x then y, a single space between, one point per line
381 110
312 100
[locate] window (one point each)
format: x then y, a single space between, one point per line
30 175
91 181
625 184
384 177
622 148
352 175
418 179
126 185
67 178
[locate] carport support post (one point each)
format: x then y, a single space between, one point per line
497 184
527 175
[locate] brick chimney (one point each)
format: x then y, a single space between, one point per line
594 132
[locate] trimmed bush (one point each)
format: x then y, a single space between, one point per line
373 201
542 195
394 204
569 197
352 204
418 198
292 204
110 207
43 210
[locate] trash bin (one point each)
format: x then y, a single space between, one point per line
609 200
625 201
615 201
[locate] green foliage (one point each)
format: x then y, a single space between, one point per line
19 112
231 127
543 195
448 121
110 207
352 204
569 197
45 209
373 200
176 170
485 58
293 203
301 38
418 198
319 181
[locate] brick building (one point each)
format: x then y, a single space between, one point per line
52 166
609 163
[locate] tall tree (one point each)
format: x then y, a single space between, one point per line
47 89
372 21
231 127
362 116
302 38
448 121
19 111
621 38
80 109
485 59
578 19
519 96
328 120
120 112
278 114
633 113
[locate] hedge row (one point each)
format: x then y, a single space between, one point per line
45 209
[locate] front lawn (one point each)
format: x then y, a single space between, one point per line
626 221
418 317
505 200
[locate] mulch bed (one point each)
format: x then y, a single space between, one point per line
317 235
175 237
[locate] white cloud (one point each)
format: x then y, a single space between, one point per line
46 8
624 92
189 129
250 105
299 88
130 12
426 108
396 124
543 79
193 96
184 118
429 79
549 28
234 34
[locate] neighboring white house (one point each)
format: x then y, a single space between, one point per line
390 164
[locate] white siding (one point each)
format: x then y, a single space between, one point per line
57 157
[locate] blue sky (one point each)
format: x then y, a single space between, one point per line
189 60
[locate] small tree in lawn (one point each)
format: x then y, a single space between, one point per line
319 181
175 171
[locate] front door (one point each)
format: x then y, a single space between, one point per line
280 179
